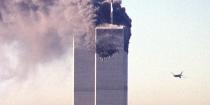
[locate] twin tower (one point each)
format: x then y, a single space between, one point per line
100 77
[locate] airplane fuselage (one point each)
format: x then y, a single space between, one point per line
178 76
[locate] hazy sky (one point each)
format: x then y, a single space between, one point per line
169 36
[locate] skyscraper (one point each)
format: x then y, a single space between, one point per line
100 77
84 75
111 66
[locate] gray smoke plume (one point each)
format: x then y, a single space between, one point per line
36 49
36 39
42 30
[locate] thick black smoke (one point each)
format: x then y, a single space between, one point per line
110 43
120 17
105 49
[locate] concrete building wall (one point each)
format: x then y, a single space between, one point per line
111 72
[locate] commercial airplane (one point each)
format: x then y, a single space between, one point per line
178 75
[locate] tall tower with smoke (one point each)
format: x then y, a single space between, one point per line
100 76
111 65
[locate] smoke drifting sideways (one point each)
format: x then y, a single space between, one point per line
120 18
41 30
36 48
36 41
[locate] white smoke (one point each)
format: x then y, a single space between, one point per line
35 36
43 29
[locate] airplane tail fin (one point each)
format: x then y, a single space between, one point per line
181 73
